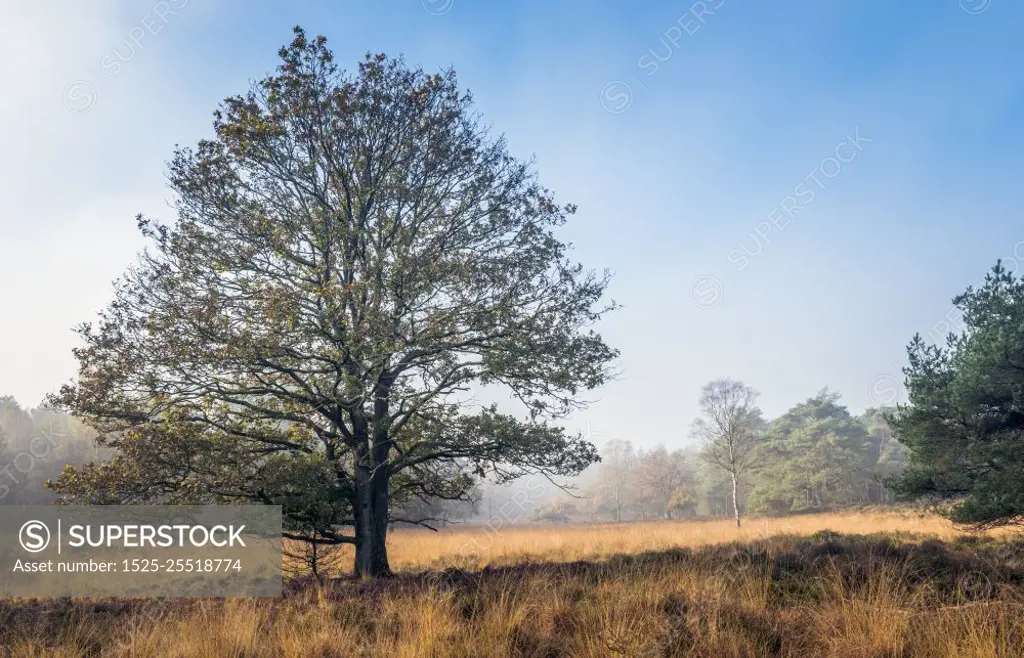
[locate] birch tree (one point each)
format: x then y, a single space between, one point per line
730 430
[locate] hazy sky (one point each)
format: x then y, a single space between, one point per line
785 190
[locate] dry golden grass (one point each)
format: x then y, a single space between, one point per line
782 587
475 547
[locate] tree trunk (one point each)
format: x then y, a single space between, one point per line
315 561
373 477
735 503
371 517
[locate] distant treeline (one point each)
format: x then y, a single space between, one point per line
815 457
35 444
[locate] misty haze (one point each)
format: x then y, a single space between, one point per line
544 329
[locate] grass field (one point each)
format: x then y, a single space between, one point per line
865 584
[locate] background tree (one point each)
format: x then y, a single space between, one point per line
730 430
964 424
890 456
34 445
816 457
5 458
714 490
592 506
16 421
437 511
616 488
559 510
659 474
683 502
351 255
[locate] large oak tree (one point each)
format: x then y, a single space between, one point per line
354 256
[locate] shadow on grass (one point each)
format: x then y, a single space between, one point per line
795 572
970 568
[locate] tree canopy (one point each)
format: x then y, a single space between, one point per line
964 424
353 256
816 457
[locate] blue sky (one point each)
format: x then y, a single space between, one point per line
679 129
